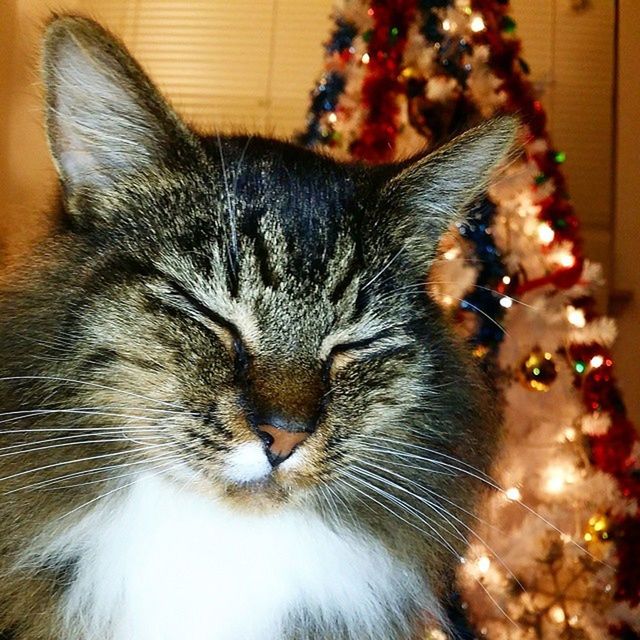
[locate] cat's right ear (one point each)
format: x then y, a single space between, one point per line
105 119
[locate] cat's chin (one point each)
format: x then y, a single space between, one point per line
284 486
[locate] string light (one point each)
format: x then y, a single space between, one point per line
366 58
506 280
513 493
484 564
570 434
556 613
506 302
597 361
332 117
477 24
447 25
567 259
546 233
452 253
576 317
557 479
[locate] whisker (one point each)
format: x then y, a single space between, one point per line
64 441
462 560
447 514
384 268
167 460
91 384
403 505
47 412
77 474
68 462
108 493
491 483
231 223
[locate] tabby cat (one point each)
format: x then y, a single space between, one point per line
230 409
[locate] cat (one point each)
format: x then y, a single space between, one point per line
230 408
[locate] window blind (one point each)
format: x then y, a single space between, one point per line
244 65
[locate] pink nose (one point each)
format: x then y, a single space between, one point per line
280 443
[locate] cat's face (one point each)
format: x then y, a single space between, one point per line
268 300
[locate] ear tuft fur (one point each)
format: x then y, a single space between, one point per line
433 192
104 117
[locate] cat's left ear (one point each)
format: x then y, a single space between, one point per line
105 118
425 199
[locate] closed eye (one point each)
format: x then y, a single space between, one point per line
177 296
203 310
359 344
381 344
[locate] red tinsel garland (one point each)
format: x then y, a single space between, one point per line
382 87
504 61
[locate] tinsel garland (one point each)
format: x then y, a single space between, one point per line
379 54
382 84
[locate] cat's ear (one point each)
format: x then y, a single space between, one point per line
425 199
105 119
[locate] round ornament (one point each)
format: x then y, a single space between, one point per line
538 370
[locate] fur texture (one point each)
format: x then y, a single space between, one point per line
202 286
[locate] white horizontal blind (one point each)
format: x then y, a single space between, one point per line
244 65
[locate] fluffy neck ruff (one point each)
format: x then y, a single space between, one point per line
161 563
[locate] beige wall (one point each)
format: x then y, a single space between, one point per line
28 173
6 46
626 263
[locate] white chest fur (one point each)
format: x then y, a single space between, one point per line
164 564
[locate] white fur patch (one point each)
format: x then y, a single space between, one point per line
246 463
163 563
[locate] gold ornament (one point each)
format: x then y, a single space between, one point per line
538 370
597 528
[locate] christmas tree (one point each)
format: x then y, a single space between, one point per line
555 549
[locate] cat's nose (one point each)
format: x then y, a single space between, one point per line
280 443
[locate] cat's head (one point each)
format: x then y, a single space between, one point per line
266 302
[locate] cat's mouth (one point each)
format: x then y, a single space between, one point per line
248 469
259 460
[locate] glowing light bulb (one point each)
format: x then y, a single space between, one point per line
366 58
506 302
477 24
576 317
567 260
332 117
452 253
546 233
513 493
556 613
484 564
447 25
570 434
557 479
597 361
447 301
506 280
